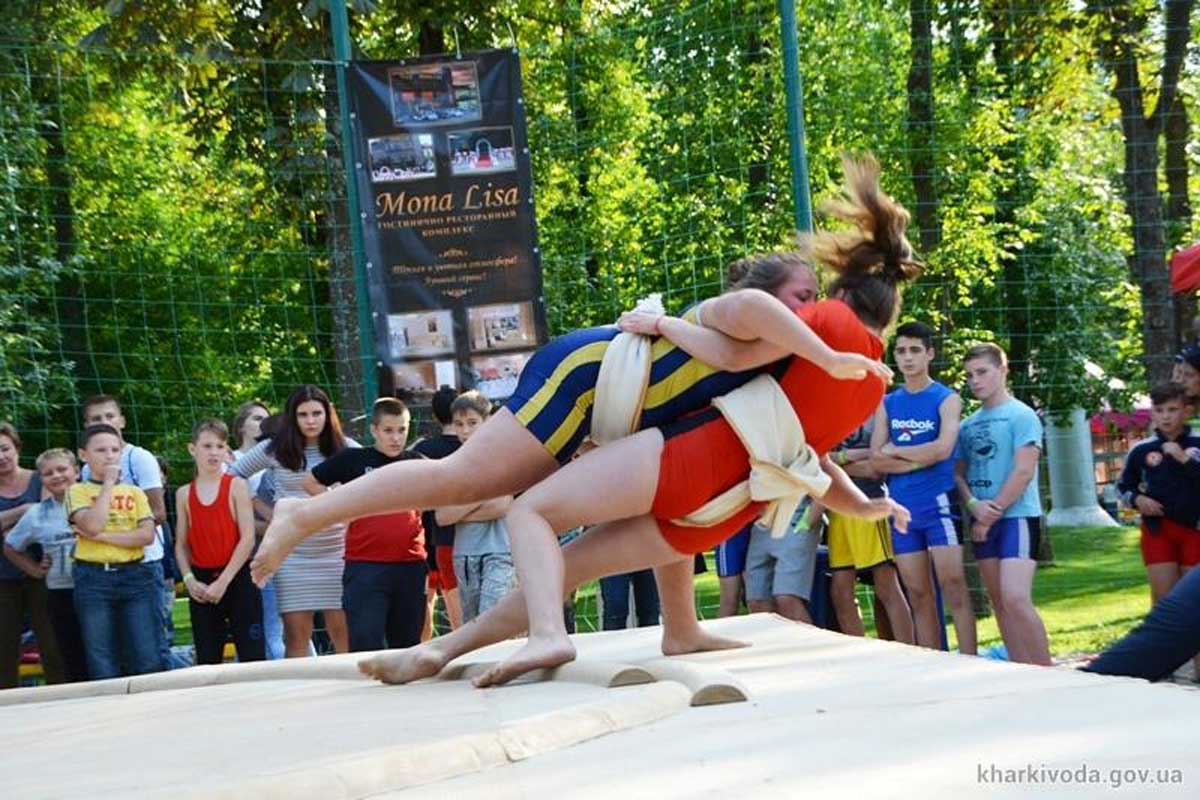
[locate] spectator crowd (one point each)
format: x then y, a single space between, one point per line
95 544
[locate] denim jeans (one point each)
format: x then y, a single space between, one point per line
614 590
272 623
120 617
166 605
1165 640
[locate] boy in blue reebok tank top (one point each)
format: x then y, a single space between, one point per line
916 430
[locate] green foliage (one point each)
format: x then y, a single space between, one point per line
203 174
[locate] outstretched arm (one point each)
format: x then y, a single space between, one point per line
752 315
846 498
715 348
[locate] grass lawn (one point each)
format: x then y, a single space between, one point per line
1091 595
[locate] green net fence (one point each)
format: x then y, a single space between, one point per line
174 228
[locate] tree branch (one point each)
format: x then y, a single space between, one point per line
1178 15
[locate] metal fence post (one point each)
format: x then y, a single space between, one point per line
795 115
366 335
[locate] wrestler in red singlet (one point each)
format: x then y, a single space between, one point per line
702 455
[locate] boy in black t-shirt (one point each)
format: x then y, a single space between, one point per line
440 538
384 581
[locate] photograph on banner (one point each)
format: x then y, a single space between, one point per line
482 151
496 376
403 157
434 94
502 326
418 380
421 333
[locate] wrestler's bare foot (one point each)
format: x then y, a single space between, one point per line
404 666
538 653
696 640
285 532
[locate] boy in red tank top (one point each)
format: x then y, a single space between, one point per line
214 539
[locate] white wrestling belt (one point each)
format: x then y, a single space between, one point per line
623 380
784 468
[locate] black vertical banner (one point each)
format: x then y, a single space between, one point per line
449 234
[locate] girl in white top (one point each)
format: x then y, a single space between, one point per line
310 579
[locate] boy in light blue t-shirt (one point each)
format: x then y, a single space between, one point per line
45 526
998 450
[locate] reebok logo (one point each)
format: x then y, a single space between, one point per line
913 426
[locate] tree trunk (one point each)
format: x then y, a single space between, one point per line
1179 208
72 319
1120 40
1010 196
1148 264
921 123
431 40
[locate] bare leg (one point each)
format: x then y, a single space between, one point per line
914 571
473 473
427 627
607 549
949 564
297 633
1163 578
1024 623
731 595
897 616
614 482
845 603
989 572
681 630
792 606
453 607
335 626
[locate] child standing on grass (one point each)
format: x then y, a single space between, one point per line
383 587
213 543
998 450
45 525
439 539
1161 480
117 596
483 562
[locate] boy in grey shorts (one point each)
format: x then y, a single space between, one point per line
779 572
483 561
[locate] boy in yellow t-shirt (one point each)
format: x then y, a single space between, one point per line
115 592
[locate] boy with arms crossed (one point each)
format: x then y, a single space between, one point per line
916 429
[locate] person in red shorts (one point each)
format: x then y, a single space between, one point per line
1161 479
439 539
640 487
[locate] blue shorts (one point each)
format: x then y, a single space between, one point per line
933 524
731 553
1011 537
